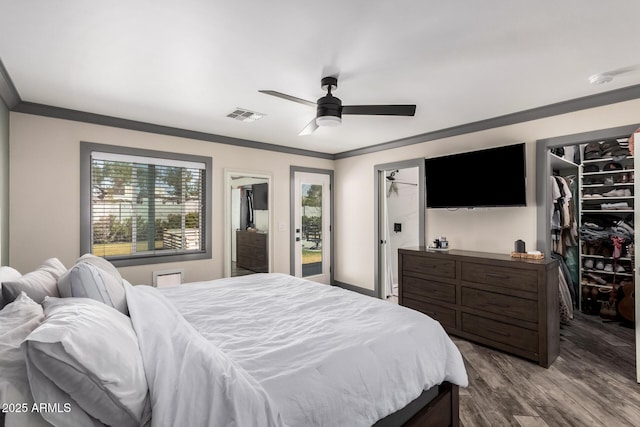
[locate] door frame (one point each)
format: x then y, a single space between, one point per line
543 196
379 180
228 173
292 225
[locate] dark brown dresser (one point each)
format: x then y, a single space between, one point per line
510 304
251 251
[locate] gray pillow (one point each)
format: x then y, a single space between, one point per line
96 278
87 353
8 274
36 284
17 320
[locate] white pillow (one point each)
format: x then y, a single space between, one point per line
88 351
96 278
8 274
17 320
37 284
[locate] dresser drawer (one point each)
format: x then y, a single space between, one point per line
250 238
417 288
508 277
446 316
504 333
428 265
518 308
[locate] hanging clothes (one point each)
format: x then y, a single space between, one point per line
564 228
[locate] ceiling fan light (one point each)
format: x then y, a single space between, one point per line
329 121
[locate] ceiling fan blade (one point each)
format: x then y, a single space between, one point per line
380 110
310 128
288 97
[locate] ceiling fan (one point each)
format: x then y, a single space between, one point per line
330 109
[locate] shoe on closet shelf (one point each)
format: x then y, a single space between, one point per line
588 263
608 268
608 180
614 206
620 269
612 193
600 265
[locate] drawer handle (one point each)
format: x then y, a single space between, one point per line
499 276
495 331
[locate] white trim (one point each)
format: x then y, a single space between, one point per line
228 181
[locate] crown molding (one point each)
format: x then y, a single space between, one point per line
117 122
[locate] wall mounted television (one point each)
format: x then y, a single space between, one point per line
483 178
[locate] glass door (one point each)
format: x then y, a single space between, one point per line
312 226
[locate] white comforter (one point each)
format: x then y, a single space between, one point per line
302 353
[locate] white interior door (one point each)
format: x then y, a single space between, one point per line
312 226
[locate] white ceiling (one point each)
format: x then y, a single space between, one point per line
189 63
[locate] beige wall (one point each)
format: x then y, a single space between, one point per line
4 184
487 229
45 191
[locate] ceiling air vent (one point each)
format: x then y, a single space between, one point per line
245 115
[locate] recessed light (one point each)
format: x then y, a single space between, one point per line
598 79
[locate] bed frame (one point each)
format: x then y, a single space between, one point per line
436 407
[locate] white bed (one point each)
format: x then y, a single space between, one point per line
259 350
323 355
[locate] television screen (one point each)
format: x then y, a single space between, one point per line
260 196
483 178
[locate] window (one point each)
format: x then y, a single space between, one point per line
143 206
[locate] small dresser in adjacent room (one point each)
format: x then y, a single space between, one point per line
510 304
251 251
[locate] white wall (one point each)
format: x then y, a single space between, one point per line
45 191
488 229
45 208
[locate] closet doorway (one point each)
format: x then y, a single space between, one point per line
247 220
399 219
605 202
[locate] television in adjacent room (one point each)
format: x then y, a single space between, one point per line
484 178
260 196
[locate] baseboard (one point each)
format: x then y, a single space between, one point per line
368 292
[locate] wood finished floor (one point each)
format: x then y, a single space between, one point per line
592 383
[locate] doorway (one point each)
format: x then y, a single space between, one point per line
602 188
311 224
247 223
399 218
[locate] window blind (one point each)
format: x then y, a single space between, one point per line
145 206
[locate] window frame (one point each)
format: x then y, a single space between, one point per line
86 148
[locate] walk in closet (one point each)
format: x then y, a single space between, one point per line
592 227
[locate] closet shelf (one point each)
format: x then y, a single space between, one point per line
606 172
610 273
596 285
558 162
608 211
615 184
601 198
605 159
605 257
